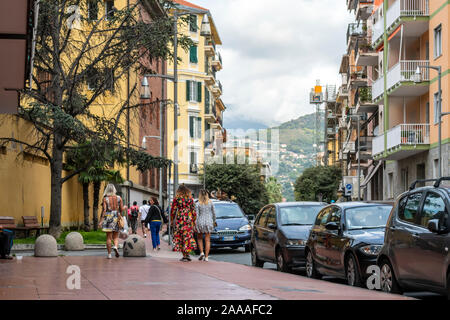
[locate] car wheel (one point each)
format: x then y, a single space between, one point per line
388 281
247 248
352 272
311 271
255 261
281 263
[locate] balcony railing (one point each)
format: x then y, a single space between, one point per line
400 8
355 29
402 134
402 71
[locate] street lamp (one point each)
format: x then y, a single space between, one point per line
145 89
417 77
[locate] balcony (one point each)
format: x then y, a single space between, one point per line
403 141
210 117
217 61
349 147
364 9
363 101
414 13
217 89
400 80
210 48
357 77
355 30
364 55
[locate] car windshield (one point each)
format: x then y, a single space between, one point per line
299 215
224 211
367 217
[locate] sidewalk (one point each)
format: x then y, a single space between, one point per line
161 276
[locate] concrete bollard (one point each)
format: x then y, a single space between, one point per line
74 242
45 246
134 246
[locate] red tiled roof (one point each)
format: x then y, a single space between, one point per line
188 4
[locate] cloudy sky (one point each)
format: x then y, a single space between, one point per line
273 52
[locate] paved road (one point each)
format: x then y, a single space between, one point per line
239 256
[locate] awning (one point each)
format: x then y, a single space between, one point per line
370 175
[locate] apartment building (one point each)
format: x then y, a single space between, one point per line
200 114
397 109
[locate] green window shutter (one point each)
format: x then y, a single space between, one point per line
193 54
193 23
191 127
188 91
199 128
199 90
206 100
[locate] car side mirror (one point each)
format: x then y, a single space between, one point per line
433 225
272 226
332 226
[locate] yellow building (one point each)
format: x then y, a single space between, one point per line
25 185
200 119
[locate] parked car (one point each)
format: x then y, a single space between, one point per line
415 255
233 228
280 231
345 239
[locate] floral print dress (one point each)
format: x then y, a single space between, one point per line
184 215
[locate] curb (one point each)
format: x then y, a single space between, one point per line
30 247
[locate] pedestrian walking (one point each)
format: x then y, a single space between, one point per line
154 220
6 243
143 211
183 216
111 218
205 223
134 214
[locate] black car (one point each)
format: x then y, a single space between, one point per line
233 228
415 255
280 231
345 239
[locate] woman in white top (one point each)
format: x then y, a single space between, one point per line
205 224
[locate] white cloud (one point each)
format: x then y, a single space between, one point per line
273 52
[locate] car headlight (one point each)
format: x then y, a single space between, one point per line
247 227
371 250
295 242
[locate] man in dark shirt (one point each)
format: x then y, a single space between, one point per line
6 242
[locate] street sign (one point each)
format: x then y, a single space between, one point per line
348 189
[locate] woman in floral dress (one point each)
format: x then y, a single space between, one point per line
184 216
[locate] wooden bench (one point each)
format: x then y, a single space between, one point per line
10 223
31 223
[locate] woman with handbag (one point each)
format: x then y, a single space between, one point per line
111 220
154 219
183 216
206 222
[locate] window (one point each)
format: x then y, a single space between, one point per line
193 54
391 185
433 208
322 217
207 101
335 215
272 217
367 217
92 79
193 23
193 91
404 174
109 7
92 10
438 41
410 208
195 127
301 215
193 162
109 79
262 218
435 168
436 107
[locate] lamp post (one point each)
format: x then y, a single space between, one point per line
417 79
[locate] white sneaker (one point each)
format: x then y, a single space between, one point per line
145 235
109 256
116 251
206 259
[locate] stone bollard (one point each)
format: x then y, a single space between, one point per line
134 246
45 246
74 242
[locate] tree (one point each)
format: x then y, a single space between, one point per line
61 111
274 190
239 180
318 184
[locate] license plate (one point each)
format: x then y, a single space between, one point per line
228 238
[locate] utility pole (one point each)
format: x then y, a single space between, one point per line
175 101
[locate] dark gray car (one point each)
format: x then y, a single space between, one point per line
415 255
280 232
